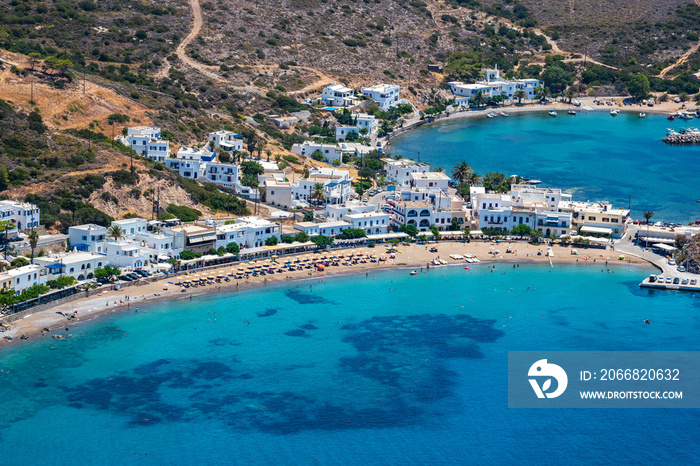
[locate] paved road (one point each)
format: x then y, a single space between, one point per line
625 245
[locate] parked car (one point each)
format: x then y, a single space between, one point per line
693 281
684 281
126 278
104 281
143 273
16 238
636 222
671 261
660 278
134 276
669 279
676 281
681 268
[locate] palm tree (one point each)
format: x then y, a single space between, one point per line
318 194
647 214
461 171
269 154
519 95
116 232
259 147
439 169
473 179
33 241
479 99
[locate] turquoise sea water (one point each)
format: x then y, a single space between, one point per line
385 369
593 155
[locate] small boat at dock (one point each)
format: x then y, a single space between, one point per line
490 115
504 113
552 113
415 272
642 115
572 112
671 116
614 112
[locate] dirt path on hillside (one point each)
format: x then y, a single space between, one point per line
683 58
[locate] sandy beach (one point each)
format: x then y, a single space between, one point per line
411 256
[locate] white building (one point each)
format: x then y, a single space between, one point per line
79 265
227 175
337 185
146 141
27 276
386 95
158 247
493 85
125 254
247 232
283 121
190 162
24 215
399 171
598 218
331 152
336 212
362 121
337 95
374 223
87 238
132 226
330 229
226 140
429 180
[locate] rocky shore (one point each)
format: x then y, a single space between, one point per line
691 137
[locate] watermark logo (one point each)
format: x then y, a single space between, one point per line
542 369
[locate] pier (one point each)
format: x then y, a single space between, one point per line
688 137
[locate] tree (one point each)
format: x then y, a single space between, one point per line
467 234
520 95
33 241
63 65
187 255
318 156
259 147
308 216
318 193
461 171
639 86
365 173
436 233
116 232
271 241
301 237
556 78
647 214
233 248
269 154
322 241
410 230
34 58
522 230
473 179
535 236
19 262
496 182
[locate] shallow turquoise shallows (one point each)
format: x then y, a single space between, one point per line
592 155
395 369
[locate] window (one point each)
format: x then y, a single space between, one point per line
605 219
591 218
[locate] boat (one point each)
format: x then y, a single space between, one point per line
414 272
614 112
671 116
685 115
642 115
552 113
646 321
504 113
572 112
670 131
490 115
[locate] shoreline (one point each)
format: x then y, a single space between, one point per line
587 105
412 256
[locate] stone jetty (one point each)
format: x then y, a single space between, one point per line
689 137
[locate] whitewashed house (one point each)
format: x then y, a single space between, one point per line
146 141
374 223
87 238
337 95
247 232
386 95
27 276
226 140
22 214
79 265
